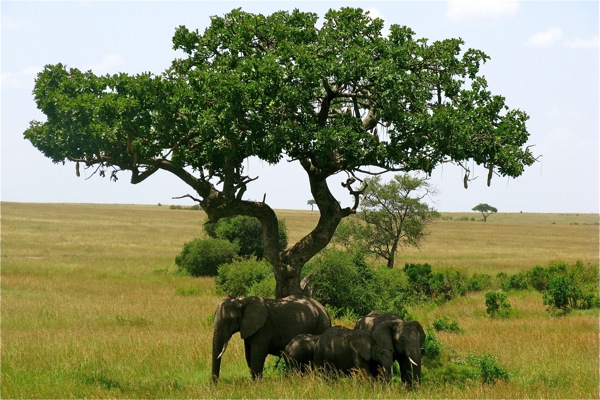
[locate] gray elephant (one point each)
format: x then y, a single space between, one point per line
407 338
299 354
345 350
265 325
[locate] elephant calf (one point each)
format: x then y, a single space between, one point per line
346 350
407 340
299 354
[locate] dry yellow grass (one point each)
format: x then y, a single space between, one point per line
91 308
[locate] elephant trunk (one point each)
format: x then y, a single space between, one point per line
220 341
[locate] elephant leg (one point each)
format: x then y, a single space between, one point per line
255 358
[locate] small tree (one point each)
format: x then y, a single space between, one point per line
485 209
311 203
393 215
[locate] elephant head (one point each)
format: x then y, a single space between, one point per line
406 339
245 315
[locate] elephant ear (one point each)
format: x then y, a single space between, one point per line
384 333
254 315
363 344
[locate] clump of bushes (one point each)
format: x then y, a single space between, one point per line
497 305
564 287
246 277
244 231
444 324
202 257
344 282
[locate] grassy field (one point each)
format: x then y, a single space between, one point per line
92 308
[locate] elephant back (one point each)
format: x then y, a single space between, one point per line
371 320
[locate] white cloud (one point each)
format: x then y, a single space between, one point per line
554 36
578 43
546 39
461 9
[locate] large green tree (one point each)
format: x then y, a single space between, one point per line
334 97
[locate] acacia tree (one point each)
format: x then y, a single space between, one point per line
334 97
395 215
485 209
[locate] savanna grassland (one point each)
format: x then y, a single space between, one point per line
92 307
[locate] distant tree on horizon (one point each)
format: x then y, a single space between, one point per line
311 203
485 209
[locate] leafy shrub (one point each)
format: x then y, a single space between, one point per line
452 372
419 279
563 294
342 281
489 368
202 257
479 282
515 282
246 232
432 348
394 293
444 324
448 284
246 277
497 305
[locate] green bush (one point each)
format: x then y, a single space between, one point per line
489 368
343 281
202 257
246 277
497 305
246 232
432 348
563 294
515 282
448 284
444 324
478 282
419 280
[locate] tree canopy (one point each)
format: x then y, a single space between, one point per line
485 209
334 97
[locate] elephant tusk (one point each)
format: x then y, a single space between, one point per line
412 362
223 351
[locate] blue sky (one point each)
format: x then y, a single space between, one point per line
544 60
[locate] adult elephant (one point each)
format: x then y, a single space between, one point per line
346 350
265 325
407 339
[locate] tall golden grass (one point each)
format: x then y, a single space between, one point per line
92 308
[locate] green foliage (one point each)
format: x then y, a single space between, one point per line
393 216
202 257
478 282
489 368
442 286
563 294
432 348
344 282
448 284
246 232
497 305
444 324
246 277
485 209
515 282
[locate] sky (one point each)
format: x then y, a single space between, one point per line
544 60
